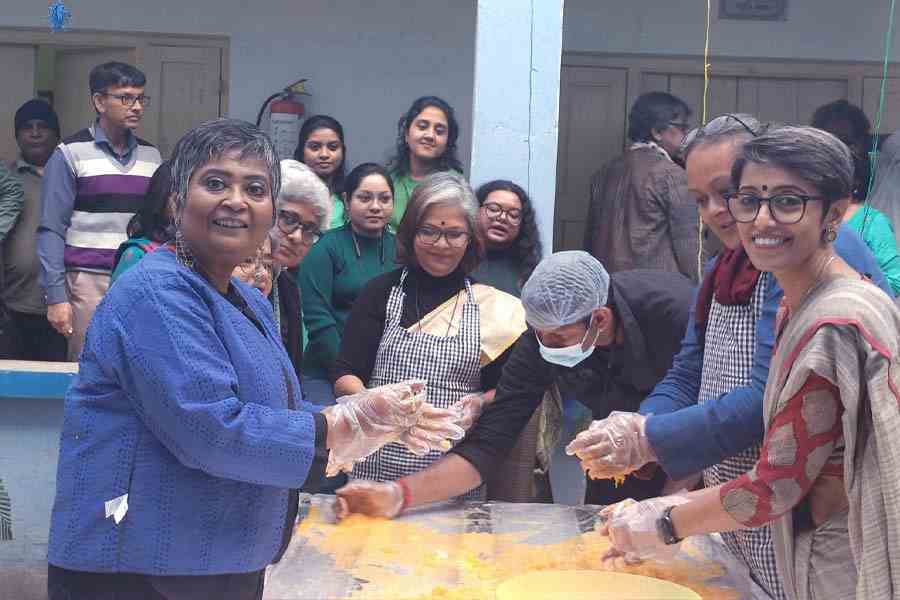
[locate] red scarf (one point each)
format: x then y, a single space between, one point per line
732 280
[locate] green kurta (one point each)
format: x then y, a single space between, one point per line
337 212
404 185
331 277
879 237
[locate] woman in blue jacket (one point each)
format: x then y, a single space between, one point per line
184 435
707 414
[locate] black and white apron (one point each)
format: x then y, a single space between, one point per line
727 364
451 366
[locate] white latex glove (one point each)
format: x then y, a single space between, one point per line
436 429
616 445
369 498
468 409
362 423
632 528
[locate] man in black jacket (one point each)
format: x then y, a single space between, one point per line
615 334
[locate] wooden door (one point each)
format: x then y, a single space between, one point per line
722 92
17 63
890 120
591 132
790 101
184 84
72 89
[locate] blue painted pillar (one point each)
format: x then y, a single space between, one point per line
515 120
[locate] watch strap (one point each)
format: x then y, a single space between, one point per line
667 527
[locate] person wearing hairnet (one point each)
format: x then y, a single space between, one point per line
619 331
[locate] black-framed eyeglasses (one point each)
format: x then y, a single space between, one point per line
682 127
495 211
431 236
129 100
786 209
288 222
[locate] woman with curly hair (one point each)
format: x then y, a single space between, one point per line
507 225
426 144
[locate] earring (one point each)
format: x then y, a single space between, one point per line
830 233
182 251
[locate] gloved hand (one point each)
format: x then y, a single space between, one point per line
616 445
632 528
436 429
369 498
360 424
468 409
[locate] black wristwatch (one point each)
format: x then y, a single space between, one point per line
666 527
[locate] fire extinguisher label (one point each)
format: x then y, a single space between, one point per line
284 130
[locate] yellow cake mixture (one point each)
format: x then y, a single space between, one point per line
408 561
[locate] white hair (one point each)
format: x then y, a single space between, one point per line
301 185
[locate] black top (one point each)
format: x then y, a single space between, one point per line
365 326
653 308
291 320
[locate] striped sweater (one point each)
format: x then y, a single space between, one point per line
107 195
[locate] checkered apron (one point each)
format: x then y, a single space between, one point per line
450 365
727 364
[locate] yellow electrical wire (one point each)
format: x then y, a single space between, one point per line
703 122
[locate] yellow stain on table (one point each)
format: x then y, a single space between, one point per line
409 561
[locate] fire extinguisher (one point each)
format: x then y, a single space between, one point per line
283 113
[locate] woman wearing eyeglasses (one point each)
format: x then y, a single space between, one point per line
706 415
507 224
339 266
303 210
826 479
428 320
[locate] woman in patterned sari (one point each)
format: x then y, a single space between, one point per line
706 416
826 480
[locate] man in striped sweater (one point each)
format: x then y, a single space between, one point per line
93 183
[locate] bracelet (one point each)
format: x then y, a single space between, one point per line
407 494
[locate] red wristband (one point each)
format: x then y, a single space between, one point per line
407 495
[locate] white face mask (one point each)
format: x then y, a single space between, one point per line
569 356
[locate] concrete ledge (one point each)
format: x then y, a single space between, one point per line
31 412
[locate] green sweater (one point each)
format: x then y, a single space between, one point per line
337 212
404 185
331 277
879 237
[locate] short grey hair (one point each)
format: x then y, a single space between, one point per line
816 156
448 189
212 140
737 127
301 185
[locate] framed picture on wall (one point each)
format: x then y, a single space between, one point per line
753 10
